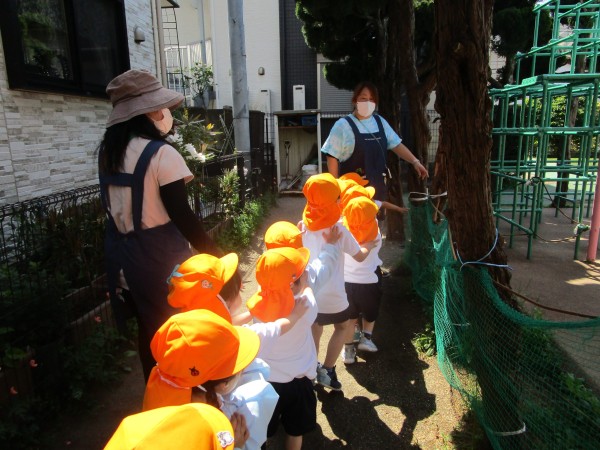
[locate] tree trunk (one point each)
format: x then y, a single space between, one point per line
465 130
401 76
390 98
462 47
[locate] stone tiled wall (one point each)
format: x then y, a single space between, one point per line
48 141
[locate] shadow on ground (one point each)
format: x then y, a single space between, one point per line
384 395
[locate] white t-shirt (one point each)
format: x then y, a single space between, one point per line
320 269
363 272
165 167
293 354
331 296
268 333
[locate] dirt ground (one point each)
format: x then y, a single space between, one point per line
390 399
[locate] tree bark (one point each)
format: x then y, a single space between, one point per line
465 131
462 47
391 103
401 76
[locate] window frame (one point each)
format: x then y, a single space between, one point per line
20 79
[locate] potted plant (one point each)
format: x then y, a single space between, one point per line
200 82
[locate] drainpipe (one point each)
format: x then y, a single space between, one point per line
202 35
159 42
239 80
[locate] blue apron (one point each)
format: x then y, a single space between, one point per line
146 256
368 157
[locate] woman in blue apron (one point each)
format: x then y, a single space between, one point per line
150 224
360 141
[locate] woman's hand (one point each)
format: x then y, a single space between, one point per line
420 168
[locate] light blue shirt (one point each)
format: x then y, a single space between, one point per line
340 143
255 398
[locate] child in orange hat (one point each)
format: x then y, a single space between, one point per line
197 282
322 212
286 234
192 348
362 279
282 277
207 282
190 426
356 177
351 189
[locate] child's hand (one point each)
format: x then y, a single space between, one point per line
394 207
300 307
370 245
240 429
333 236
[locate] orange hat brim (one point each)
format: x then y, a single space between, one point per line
230 262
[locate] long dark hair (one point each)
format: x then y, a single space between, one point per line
111 151
211 395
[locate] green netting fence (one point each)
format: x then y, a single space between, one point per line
533 383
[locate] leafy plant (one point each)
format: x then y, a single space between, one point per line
229 184
94 361
33 312
424 342
201 78
244 224
194 140
20 425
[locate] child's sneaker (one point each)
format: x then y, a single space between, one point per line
349 354
328 378
367 345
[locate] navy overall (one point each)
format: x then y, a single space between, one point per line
146 256
368 157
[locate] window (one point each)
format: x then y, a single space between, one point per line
69 46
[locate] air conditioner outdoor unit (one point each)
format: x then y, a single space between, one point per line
266 96
299 97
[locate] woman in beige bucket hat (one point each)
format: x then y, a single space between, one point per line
150 224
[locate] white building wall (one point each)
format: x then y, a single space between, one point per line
48 140
261 24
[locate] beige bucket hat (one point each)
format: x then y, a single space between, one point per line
137 92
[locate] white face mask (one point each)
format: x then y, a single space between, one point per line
365 109
165 125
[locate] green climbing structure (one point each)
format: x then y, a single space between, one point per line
546 124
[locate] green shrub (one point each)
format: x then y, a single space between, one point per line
243 225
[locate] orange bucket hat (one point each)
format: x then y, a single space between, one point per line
196 283
194 425
360 217
191 348
276 270
321 211
354 192
353 176
283 234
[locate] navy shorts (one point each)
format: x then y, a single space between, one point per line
364 299
331 319
296 408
